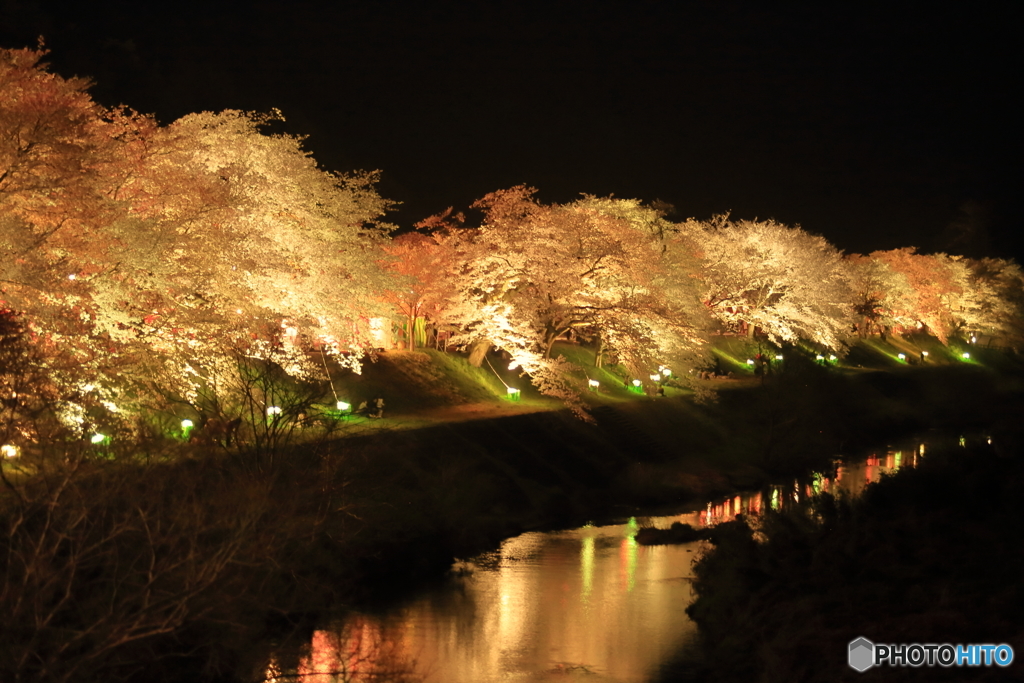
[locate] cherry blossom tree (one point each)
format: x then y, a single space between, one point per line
423 263
121 238
533 272
787 282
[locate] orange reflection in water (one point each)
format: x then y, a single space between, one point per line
588 603
548 606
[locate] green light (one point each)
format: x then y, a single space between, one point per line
750 361
833 358
187 424
513 393
819 357
965 355
901 356
344 406
98 438
637 383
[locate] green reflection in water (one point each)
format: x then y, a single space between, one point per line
632 527
897 460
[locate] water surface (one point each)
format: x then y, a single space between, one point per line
584 604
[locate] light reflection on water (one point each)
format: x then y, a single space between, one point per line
584 604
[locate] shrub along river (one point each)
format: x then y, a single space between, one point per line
583 604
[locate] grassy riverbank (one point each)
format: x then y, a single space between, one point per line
138 561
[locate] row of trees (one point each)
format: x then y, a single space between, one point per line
653 290
140 259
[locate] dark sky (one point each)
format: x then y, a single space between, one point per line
877 128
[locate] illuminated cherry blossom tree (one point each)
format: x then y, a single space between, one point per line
533 272
787 282
123 241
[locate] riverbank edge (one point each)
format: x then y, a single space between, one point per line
433 495
349 520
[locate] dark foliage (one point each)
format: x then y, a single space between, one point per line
930 555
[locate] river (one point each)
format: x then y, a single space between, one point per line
583 604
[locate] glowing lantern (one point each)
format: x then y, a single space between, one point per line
98 438
833 358
750 361
594 384
778 356
344 406
273 410
636 383
187 424
965 356
902 356
9 450
820 357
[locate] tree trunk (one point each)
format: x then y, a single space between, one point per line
599 354
478 351
550 335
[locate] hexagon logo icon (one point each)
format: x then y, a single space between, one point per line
862 654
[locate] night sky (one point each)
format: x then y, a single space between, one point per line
877 128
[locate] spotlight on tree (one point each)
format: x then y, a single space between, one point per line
513 393
750 362
9 450
965 355
637 383
98 438
594 384
901 356
344 407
